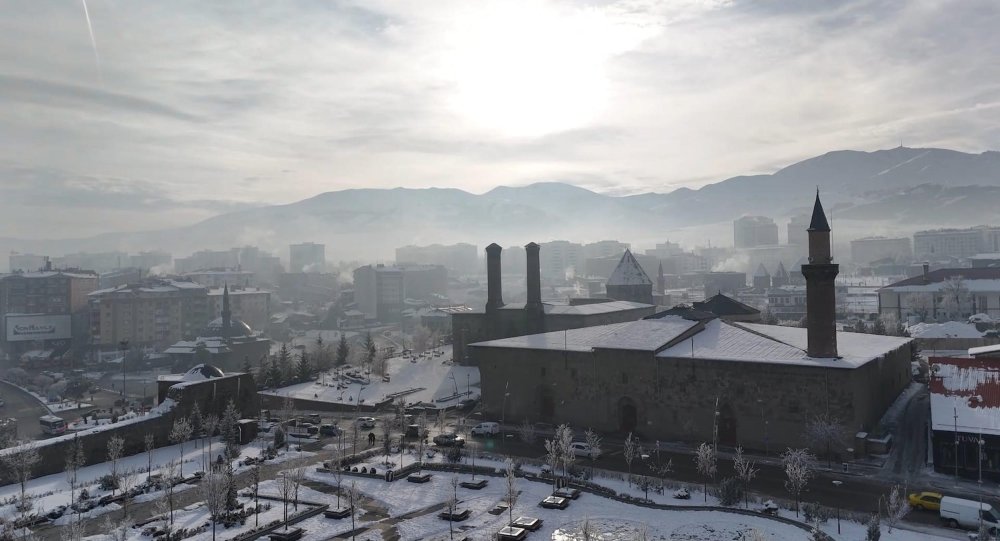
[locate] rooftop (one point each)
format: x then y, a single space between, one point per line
974 279
629 273
674 336
965 393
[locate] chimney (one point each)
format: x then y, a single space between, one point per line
534 282
494 298
534 273
927 270
821 297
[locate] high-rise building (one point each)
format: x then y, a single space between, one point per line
154 312
382 291
955 243
750 231
461 259
865 251
208 259
27 262
307 257
46 306
560 258
797 226
604 248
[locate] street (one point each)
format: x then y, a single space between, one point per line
23 407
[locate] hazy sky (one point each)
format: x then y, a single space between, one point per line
189 108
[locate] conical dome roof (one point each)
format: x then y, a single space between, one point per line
629 273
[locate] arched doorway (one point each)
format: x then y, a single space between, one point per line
628 415
727 426
546 403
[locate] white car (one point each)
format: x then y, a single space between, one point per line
485 429
366 422
581 449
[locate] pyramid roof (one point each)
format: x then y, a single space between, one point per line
628 272
761 271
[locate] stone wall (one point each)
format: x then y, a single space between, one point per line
211 395
761 405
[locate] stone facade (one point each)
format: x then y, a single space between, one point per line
673 399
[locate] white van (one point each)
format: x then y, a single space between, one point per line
485 429
957 512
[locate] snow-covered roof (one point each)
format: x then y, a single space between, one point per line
674 336
855 349
643 335
984 350
975 280
629 273
213 344
761 272
582 309
968 389
948 329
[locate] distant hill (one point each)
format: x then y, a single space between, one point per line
902 189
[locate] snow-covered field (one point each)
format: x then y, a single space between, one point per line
431 379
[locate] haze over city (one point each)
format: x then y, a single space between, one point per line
506 270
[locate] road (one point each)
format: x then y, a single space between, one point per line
23 407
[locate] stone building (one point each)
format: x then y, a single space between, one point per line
500 320
628 282
675 378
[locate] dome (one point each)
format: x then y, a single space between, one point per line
203 371
236 328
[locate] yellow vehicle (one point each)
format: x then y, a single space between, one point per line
925 500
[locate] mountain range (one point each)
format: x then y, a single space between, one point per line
894 191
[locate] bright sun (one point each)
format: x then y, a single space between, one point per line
525 69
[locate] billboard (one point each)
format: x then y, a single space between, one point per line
23 328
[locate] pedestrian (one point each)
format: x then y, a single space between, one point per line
371 439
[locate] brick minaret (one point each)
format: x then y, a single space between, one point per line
821 298
494 289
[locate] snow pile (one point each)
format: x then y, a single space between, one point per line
948 329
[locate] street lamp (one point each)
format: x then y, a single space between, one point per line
503 416
837 484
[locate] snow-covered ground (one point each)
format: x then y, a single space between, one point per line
431 379
51 491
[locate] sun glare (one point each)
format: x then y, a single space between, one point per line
526 69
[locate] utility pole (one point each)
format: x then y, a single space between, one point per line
955 408
123 346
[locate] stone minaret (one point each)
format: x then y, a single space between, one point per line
494 290
661 281
821 299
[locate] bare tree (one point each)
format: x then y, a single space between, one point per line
169 473
564 438
896 507
208 424
553 458
707 462
630 452
214 487
527 433
20 461
594 442
127 481
922 305
298 475
422 433
353 497
180 433
510 475
452 507
746 470
74 461
115 531
338 473
955 298
116 446
255 479
286 488
73 531
799 467
825 432
150 444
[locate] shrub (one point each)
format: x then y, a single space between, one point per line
874 529
454 455
108 482
730 492
815 513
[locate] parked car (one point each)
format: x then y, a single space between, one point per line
581 449
412 431
449 440
925 500
488 428
314 418
366 422
956 512
329 430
